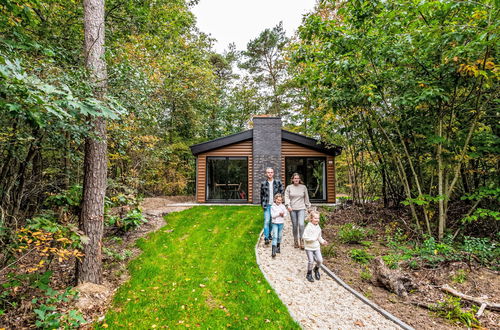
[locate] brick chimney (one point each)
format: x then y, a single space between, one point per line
266 150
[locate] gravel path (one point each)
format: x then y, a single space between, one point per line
323 304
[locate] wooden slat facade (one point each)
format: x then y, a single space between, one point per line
289 149
244 148
238 149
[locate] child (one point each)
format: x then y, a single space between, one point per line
278 212
312 240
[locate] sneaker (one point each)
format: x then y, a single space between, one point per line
266 241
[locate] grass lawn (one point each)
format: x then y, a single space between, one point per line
200 271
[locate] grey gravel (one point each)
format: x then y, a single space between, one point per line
322 304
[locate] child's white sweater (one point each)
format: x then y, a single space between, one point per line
312 236
275 213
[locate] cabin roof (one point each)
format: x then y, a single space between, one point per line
299 139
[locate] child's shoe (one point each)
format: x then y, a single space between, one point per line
278 248
309 276
296 244
301 244
273 253
316 273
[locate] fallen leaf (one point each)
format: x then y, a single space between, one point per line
202 285
359 323
268 321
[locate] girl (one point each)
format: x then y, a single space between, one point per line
297 201
312 240
278 212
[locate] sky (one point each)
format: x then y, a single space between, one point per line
240 21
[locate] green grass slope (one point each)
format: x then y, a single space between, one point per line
200 271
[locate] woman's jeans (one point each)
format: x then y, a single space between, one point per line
314 255
277 233
268 226
298 217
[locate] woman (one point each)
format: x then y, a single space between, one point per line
297 201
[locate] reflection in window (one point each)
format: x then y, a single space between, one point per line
313 172
227 178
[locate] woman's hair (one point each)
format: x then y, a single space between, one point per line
312 214
294 175
278 195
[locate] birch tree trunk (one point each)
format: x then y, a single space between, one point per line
89 268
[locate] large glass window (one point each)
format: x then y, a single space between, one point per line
227 178
313 172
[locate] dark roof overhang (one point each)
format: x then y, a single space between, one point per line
310 143
302 140
199 148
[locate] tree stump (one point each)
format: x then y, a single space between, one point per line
393 280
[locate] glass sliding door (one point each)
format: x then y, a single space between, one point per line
227 179
313 172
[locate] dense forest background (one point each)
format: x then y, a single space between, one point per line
409 89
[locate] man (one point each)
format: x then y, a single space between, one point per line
268 189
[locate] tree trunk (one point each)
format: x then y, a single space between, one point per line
440 173
89 268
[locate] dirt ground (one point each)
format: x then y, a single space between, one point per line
118 250
481 282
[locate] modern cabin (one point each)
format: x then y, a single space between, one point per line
230 169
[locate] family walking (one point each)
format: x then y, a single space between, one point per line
294 200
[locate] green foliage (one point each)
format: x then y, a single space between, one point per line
392 260
69 198
49 317
323 219
264 59
360 256
119 256
49 223
410 94
366 275
351 233
133 219
485 250
460 276
329 251
481 213
451 309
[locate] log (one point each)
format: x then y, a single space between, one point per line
478 301
393 280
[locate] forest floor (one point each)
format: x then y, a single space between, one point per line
468 278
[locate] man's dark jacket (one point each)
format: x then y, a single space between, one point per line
264 191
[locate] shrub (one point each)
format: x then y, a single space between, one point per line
460 276
329 251
392 260
360 256
366 275
49 317
484 249
432 252
350 233
322 220
451 309
132 220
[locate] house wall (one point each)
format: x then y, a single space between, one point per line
238 149
289 149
